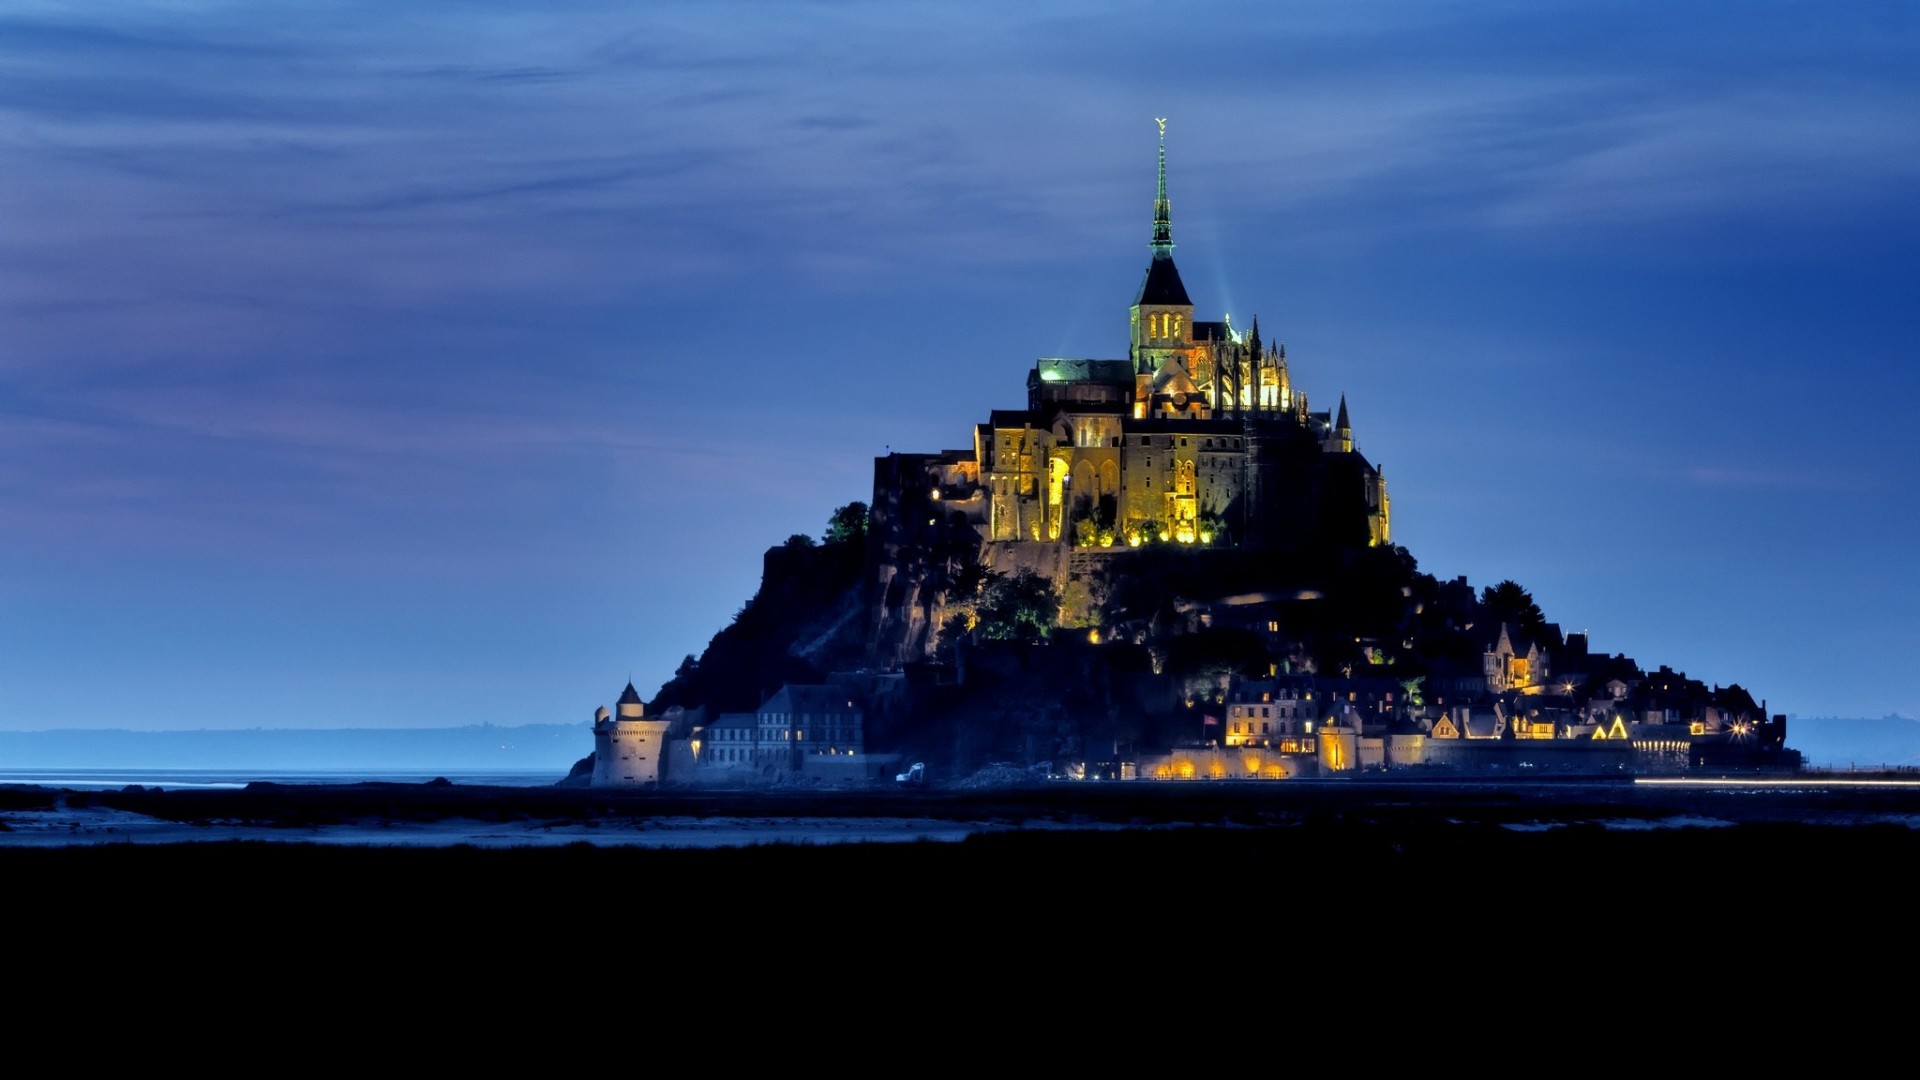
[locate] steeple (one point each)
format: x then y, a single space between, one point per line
1162 209
1343 429
1162 286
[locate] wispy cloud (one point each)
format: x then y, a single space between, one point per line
1792 479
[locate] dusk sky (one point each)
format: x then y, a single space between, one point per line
429 364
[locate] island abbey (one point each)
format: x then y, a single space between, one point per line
1166 565
1198 436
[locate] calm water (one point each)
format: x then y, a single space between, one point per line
183 779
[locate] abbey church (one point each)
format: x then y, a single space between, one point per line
1198 436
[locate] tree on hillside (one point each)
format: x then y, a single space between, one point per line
848 524
1021 606
1508 602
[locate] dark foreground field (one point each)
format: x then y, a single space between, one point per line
1114 909
1104 858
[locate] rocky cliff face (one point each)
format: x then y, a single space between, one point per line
807 619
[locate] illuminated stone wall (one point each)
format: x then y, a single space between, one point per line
1225 763
629 752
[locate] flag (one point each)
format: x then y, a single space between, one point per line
1210 721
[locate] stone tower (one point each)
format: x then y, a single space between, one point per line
1161 323
629 747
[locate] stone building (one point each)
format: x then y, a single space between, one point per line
629 747
1197 436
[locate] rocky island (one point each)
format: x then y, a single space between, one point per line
1167 565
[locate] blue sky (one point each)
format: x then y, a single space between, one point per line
431 364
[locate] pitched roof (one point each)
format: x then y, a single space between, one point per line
809 698
1069 369
735 721
1162 285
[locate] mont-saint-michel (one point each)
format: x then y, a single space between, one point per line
1173 563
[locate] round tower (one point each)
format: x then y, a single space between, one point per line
629 747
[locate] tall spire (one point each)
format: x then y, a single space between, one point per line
1162 210
1162 287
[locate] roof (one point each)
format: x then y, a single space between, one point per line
1172 378
1060 369
1055 413
1162 285
630 696
735 721
1184 425
809 698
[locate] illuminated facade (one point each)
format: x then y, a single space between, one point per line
1198 436
629 747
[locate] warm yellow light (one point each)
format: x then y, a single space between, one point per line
1206 538
1163 534
1093 636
